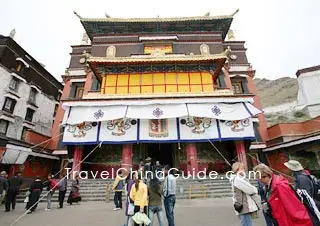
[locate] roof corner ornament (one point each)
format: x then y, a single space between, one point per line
67 72
85 39
12 33
204 49
227 51
207 14
231 36
111 52
107 15
233 14
77 15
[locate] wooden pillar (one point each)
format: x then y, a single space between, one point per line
77 157
192 158
241 153
126 156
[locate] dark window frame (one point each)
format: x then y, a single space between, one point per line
32 98
14 81
7 125
12 106
23 133
29 114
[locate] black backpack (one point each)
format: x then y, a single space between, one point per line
316 187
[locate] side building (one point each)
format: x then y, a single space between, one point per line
29 99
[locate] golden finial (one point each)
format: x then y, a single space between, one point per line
77 15
233 14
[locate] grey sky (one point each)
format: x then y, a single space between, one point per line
281 35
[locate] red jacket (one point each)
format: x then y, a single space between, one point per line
286 208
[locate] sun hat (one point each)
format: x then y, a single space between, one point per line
148 159
294 165
3 173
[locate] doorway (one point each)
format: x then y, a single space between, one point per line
162 152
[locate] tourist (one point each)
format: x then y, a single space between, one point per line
14 184
35 191
63 183
51 184
169 193
3 186
158 170
148 169
74 195
244 195
282 203
129 203
139 195
118 188
262 193
302 179
155 204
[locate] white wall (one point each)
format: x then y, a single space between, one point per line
43 115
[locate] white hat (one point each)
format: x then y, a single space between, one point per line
3 173
293 165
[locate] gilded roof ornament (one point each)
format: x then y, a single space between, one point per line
85 39
231 36
207 14
107 15
75 13
12 33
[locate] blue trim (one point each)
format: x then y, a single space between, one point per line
246 107
218 128
138 130
160 141
80 143
178 128
98 133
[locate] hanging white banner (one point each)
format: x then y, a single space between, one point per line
165 111
81 114
83 133
222 111
197 129
156 130
119 130
236 129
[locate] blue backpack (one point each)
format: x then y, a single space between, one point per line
120 185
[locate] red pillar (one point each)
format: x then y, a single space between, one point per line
241 153
192 158
126 156
77 157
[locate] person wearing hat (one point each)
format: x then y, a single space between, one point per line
3 186
302 179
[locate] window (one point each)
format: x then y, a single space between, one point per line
9 105
29 115
24 133
158 82
14 84
32 96
237 88
20 67
79 91
4 126
56 107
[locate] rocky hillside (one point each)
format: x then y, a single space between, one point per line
279 92
276 92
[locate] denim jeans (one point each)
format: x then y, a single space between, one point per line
245 219
156 210
169 203
49 196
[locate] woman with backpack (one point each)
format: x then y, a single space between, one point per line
118 188
245 195
282 203
155 201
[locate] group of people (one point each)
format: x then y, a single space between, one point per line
145 195
281 203
9 189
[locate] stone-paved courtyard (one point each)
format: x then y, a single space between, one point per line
187 213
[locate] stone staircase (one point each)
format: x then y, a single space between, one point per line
95 190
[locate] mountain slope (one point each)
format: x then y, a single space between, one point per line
276 92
